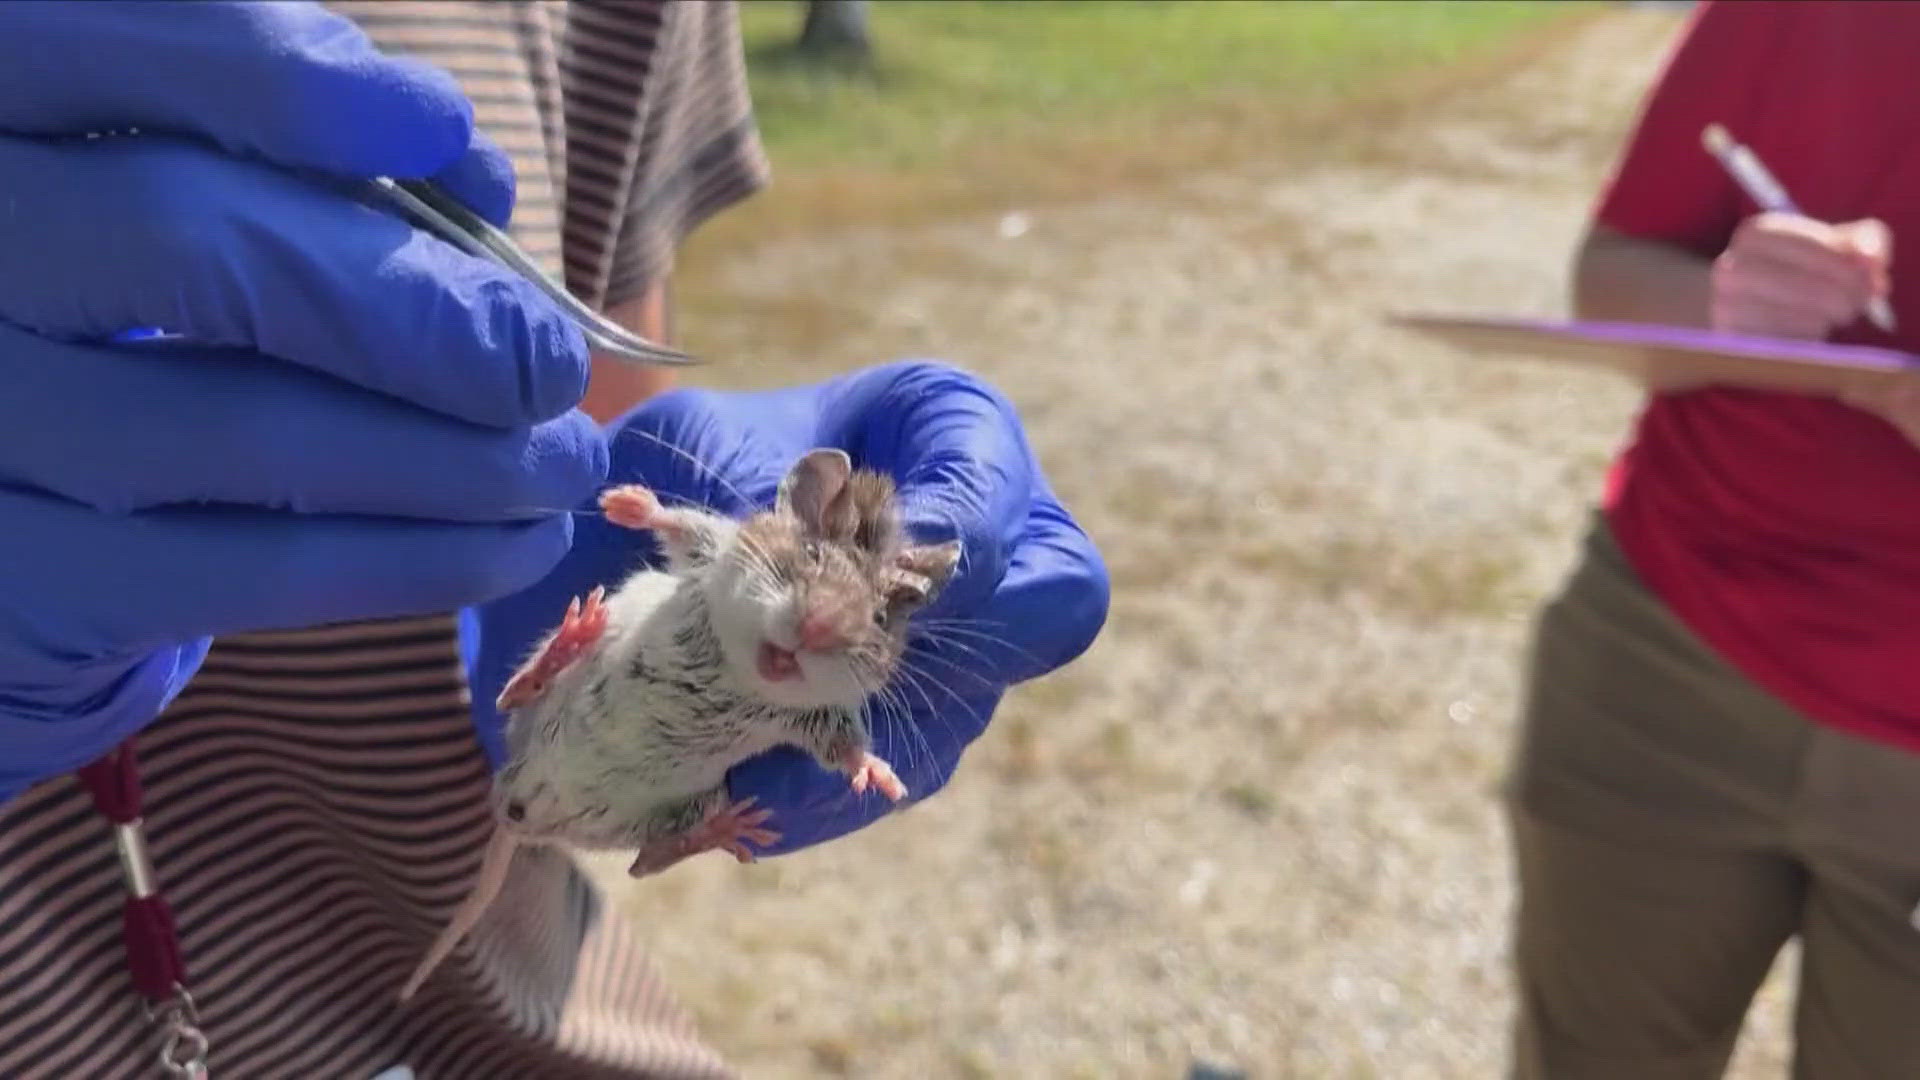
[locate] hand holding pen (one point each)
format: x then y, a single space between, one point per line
1788 275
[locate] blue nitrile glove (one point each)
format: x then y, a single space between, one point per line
1030 594
364 422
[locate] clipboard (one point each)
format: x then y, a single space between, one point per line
1668 355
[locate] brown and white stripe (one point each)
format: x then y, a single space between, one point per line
316 799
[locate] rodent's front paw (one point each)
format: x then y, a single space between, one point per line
632 506
580 630
866 769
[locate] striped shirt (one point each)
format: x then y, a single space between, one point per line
316 799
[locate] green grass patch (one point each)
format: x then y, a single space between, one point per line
953 77
974 106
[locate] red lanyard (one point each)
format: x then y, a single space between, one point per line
152 945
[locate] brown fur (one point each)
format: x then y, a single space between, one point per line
837 532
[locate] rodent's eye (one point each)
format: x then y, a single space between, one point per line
812 548
880 616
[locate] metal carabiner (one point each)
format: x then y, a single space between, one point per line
184 1053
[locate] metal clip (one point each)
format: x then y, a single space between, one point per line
184 1054
136 863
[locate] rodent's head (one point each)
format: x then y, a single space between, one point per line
810 601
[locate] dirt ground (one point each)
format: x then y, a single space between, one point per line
1256 825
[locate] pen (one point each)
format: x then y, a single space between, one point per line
1760 186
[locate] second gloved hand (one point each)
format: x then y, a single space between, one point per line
1029 596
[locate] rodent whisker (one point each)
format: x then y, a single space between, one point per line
985 683
912 676
908 665
759 563
917 676
958 620
895 699
550 510
902 715
671 501
943 626
877 708
875 680
899 695
891 691
689 457
939 642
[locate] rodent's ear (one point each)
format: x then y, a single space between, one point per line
907 593
815 491
934 562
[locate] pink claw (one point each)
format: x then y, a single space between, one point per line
724 831
579 629
631 506
864 769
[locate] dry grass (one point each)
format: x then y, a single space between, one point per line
1255 824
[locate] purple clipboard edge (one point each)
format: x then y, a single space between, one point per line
1517 334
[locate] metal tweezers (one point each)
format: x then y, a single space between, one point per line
443 215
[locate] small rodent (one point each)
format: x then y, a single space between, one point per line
770 630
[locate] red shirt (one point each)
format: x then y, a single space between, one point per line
1785 529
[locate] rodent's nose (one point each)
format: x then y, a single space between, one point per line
820 630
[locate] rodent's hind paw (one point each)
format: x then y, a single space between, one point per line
658 856
580 628
724 831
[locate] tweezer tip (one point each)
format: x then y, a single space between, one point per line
639 350
458 224
674 358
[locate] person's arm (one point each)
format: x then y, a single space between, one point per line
1647 255
617 385
700 154
1673 240
1665 186
1622 278
1782 275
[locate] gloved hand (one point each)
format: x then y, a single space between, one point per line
362 422
1030 594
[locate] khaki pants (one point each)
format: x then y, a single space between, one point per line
1673 826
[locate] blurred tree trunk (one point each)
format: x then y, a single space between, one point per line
836 28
